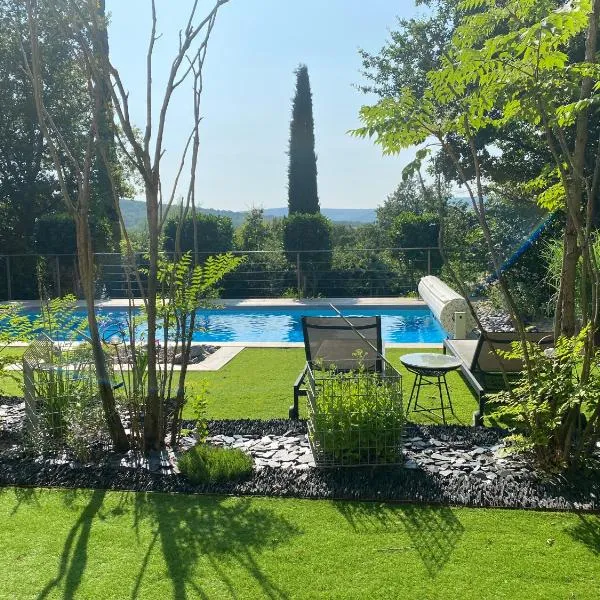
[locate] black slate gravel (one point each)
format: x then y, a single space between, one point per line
381 484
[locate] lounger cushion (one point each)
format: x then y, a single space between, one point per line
463 350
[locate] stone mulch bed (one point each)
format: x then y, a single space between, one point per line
454 465
198 353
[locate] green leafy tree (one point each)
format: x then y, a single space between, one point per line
302 172
253 234
508 64
214 234
29 187
307 241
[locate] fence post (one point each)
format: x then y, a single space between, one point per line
57 278
298 275
8 278
428 261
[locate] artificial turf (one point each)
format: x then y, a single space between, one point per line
257 384
102 545
96 544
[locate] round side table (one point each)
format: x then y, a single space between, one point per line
430 369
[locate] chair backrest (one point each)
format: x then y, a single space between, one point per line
333 342
487 362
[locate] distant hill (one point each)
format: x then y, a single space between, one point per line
339 215
134 214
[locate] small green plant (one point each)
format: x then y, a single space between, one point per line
196 406
291 293
209 464
556 413
357 417
60 389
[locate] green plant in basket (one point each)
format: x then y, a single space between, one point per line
356 416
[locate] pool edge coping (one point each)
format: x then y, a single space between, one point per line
397 302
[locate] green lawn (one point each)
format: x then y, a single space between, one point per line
101 545
257 384
97 544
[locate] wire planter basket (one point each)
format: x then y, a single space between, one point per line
356 418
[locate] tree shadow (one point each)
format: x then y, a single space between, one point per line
434 531
73 559
587 531
188 529
22 496
185 528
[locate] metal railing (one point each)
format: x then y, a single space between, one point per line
263 274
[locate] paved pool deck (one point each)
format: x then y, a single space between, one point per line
398 302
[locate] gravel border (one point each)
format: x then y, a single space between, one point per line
393 484
367 484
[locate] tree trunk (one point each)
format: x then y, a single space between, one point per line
153 437
565 320
86 269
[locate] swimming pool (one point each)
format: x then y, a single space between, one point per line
283 324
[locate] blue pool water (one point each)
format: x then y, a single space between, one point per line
282 324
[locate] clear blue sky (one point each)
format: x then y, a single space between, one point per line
249 83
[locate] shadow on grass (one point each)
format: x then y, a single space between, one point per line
587 531
434 531
73 558
186 531
190 528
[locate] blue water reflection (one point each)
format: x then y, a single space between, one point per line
282 324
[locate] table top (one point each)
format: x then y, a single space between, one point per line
428 361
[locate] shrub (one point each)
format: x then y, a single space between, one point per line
356 418
209 464
310 234
556 413
215 234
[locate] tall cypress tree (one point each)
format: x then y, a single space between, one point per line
302 170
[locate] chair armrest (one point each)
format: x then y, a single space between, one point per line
301 377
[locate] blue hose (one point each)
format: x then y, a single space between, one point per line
533 237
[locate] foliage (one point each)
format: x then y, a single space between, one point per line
55 234
184 287
302 172
309 234
14 326
307 241
195 407
58 317
29 188
411 230
506 65
409 196
214 234
68 410
553 255
254 232
210 464
556 414
415 48
357 417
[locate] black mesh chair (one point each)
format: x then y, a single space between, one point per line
331 343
